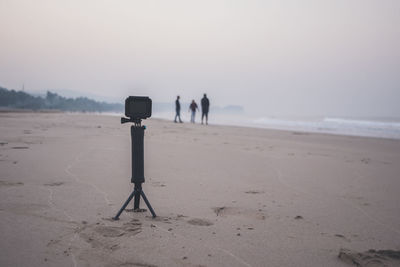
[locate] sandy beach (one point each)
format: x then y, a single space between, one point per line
224 196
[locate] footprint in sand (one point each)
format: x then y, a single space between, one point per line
7 183
135 264
158 184
54 184
109 231
366 160
342 237
106 236
241 212
199 222
254 192
371 257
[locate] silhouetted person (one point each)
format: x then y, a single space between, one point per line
193 107
178 109
205 105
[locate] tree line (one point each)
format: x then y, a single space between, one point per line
21 100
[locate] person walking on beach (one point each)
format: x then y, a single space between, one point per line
205 105
193 107
178 109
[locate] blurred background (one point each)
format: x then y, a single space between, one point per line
271 62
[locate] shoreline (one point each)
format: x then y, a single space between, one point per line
324 125
293 131
298 130
107 114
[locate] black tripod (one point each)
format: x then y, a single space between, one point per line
137 136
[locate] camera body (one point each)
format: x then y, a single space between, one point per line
138 107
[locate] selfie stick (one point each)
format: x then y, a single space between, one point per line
137 136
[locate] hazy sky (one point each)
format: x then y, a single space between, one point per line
308 57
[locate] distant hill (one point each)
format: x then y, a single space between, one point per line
20 100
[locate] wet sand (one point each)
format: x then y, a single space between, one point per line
224 196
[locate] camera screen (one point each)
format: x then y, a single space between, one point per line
139 107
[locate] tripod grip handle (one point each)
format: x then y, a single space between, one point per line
137 135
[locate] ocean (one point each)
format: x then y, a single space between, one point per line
342 126
381 128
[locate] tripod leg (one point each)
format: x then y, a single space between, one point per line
148 204
125 204
136 201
